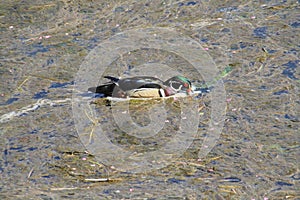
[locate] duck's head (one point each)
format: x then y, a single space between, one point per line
179 84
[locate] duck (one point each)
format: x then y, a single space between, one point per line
143 87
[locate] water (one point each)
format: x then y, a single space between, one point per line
43 46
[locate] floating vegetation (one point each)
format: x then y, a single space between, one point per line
256 156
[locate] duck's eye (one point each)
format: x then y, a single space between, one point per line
186 85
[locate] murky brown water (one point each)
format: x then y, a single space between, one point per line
42 47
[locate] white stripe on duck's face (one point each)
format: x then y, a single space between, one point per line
175 85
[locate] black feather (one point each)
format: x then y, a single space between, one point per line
106 89
113 79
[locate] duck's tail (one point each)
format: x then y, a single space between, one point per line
113 79
106 89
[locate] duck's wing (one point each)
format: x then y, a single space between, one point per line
140 82
117 87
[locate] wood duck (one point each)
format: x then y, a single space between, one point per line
143 87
